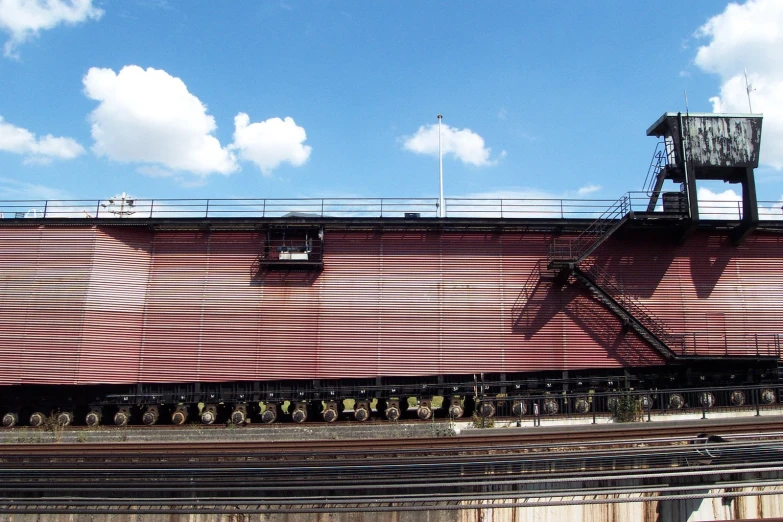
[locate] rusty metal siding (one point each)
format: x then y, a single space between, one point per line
350 302
103 305
202 313
114 307
421 303
44 282
722 299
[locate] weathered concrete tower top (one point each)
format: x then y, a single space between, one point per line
706 146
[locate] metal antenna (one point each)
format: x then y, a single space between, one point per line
125 203
686 102
441 202
748 89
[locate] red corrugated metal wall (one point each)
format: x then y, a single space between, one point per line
112 327
722 298
120 305
43 286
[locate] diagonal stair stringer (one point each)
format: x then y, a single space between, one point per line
566 257
633 315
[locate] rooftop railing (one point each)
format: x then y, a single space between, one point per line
357 207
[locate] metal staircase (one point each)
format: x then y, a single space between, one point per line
633 314
567 256
575 250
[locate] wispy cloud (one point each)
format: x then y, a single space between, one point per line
588 189
17 190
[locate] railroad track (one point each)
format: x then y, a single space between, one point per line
631 462
650 434
402 483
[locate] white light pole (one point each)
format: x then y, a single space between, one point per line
442 202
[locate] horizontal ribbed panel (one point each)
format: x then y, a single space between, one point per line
89 305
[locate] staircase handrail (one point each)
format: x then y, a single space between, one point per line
634 307
575 249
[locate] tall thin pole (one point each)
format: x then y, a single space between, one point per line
442 202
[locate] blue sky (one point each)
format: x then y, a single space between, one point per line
326 98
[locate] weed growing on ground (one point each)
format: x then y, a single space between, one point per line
482 422
627 408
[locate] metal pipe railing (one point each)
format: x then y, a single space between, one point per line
504 208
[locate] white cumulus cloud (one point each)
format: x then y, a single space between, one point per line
24 19
719 205
463 144
728 205
36 149
749 36
148 116
270 143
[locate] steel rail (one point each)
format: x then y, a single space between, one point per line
743 455
318 505
561 456
429 498
496 481
387 466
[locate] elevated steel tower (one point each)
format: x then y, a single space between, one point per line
705 146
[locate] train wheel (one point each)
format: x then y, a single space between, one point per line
424 412
269 415
239 415
180 415
519 408
93 418
122 417
487 409
299 415
209 415
10 419
64 418
455 408
393 410
37 419
737 398
361 410
330 413
150 416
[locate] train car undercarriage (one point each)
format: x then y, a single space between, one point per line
717 382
